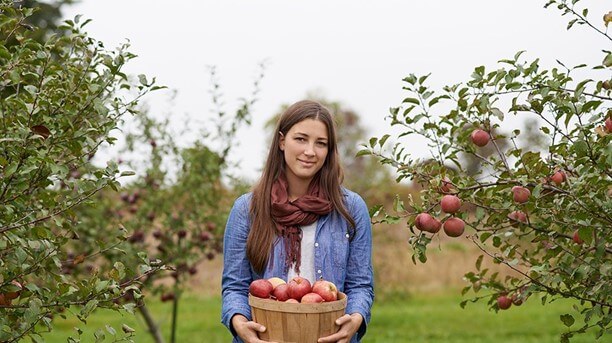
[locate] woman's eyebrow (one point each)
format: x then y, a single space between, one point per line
305 134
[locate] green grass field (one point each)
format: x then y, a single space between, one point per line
420 318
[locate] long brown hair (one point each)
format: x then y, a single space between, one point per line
262 233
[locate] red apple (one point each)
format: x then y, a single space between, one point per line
609 125
480 137
275 281
281 292
311 298
576 238
298 287
454 227
520 194
326 289
293 301
261 288
517 217
450 203
558 177
503 302
425 222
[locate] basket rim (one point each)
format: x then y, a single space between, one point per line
281 306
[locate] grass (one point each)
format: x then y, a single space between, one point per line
421 318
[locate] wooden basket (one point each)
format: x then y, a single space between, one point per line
297 323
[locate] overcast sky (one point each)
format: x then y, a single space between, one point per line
355 52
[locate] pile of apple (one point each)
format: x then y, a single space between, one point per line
297 290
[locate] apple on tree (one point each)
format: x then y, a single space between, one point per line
450 203
504 302
520 194
454 227
425 222
480 137
558 177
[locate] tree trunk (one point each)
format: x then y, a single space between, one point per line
153 327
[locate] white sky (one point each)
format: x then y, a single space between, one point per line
355 52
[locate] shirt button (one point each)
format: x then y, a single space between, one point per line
319 271
316 244
347 235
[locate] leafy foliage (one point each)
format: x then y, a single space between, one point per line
60 100
562 247
175 209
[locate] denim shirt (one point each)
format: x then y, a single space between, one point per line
345 262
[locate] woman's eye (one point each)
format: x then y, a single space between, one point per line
323 144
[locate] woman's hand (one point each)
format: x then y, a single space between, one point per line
246 329
349 324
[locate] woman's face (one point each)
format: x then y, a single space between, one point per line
305 147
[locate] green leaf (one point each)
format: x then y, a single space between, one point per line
567 319
580 148
497 113
423 78
479 262
143 80
383 139
101 285
363 152
607 60
89 307
373 142
412 101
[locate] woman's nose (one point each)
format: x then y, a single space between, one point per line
309 150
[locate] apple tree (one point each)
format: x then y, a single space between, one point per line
61 98
542 211
174 208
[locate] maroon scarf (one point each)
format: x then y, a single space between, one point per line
290 215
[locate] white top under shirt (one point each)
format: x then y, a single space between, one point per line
307 247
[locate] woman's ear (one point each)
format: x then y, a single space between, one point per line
281 141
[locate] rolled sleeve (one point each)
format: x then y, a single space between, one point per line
236 267
359 283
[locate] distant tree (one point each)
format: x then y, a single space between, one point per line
175 209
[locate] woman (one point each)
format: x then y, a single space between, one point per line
299 221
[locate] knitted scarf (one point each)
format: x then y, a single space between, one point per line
290 215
